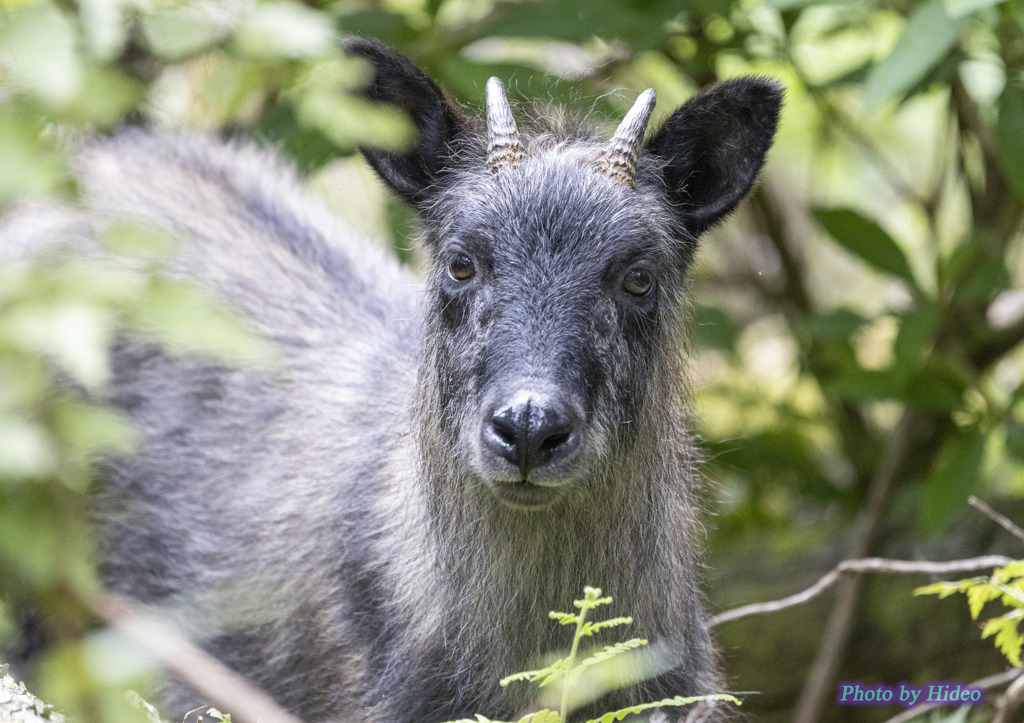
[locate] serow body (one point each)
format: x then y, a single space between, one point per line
376 529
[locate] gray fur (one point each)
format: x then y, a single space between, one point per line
330 526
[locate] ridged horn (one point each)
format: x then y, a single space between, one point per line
503 145
619 160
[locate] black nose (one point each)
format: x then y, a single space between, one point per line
531 431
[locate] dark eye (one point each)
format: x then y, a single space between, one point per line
638 281
461 267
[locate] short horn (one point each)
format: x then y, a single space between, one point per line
620 157
503 145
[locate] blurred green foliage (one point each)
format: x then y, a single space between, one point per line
876 275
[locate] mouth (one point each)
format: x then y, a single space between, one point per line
524 495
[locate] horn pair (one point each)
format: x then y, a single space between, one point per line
618 160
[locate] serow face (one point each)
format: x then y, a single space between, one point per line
550 313
558 265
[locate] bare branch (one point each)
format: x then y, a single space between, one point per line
869 564
992 681
1011 702
999 519
221 685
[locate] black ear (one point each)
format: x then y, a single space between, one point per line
397 81
714 146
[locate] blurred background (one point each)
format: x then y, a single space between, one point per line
857 324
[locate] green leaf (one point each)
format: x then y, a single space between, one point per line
186 320
542 716
27 449
28 167
594 628
945 589
173 33
714 329
928 36
953 477
978 595
865 239
667 702
1008 638
105 27
39 49
283 30
611 651
564 618
866 385
1015 439
1010 135
73 333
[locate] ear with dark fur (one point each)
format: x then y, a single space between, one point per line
714 146
397 81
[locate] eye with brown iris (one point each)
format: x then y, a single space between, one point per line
638 281
461 267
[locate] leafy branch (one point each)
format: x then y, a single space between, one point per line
569 669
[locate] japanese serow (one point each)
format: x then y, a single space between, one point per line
376 528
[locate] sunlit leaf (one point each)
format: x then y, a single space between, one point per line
1010 135
38 46
283 30
349 121
953 477
186 320
928 36
28 167
667 702
105 25
172 33
1015 439
26 450
72 333
864 238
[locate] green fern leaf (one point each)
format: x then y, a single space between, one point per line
667 702
1013 570
610 651
945 589
978 595
564 618
1008 638
542 716
592 628
555 671
529 675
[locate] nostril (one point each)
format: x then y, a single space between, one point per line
504 431
531 431
554 441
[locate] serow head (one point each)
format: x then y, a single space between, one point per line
556 288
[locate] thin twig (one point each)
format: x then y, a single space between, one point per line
1010 703
869 564
992 681
222 686
999 519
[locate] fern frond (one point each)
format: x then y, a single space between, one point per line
667 702
610 651
592 628
556 671
591 599
945 589
527 675
542 716
479 719
564 618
